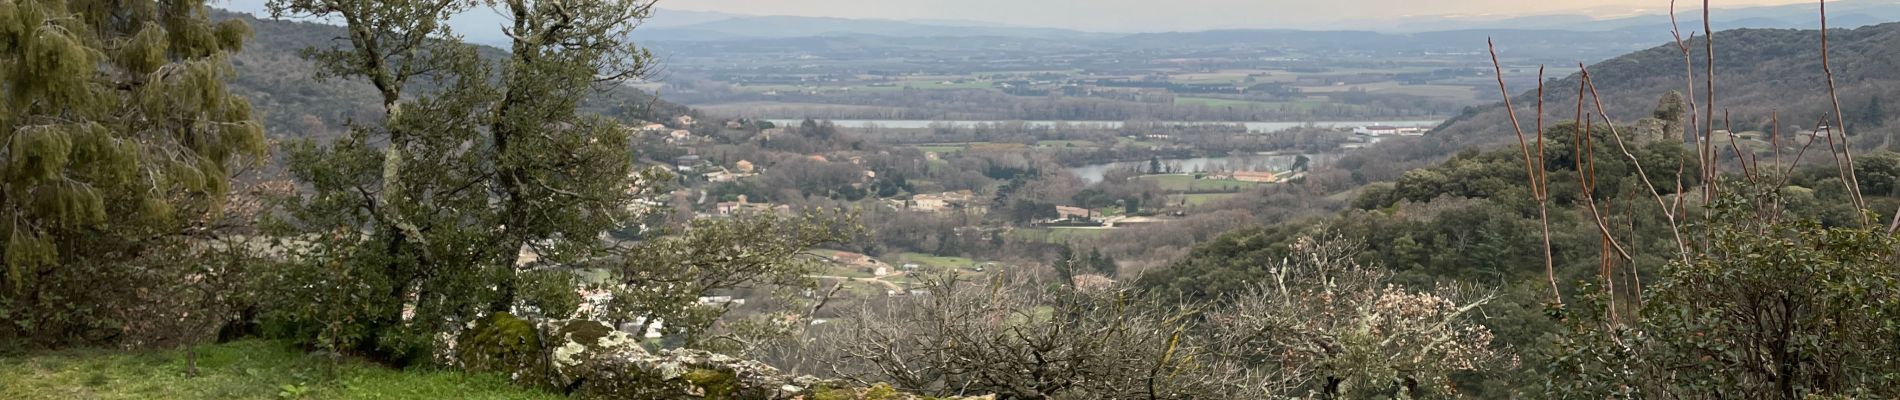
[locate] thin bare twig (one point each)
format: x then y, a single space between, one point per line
1674 228
1688 66
1853 181
1532 171
1709 182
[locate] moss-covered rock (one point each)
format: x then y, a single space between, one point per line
505 344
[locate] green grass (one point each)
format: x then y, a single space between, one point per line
239 370
940 149
1250 104
1217 102
933 261
1056 235
1187 183
1201 198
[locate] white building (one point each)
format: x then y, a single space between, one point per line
1376 130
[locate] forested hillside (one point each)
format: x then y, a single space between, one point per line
1758 72
292 101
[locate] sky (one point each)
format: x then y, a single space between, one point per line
1159 15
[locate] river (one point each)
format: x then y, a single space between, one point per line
1256 127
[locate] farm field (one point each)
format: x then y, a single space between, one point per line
1198 199
1187 183
1056 235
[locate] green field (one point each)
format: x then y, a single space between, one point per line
1187 183
1200 198
1251 104
1056 235
932 261
1139 143
1447 92
238 370
940 148
1066 144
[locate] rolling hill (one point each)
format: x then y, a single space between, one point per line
1759 72
1845 14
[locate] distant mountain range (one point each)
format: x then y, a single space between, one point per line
671 25
755 27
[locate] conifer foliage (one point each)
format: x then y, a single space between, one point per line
117 137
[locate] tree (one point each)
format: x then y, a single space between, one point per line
1102 263
1154 165
662 280
1771 309
1025 211
463 194
121 141
1018 341
1065 265
1874 115
1326 326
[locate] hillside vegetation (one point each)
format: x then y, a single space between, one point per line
1758 73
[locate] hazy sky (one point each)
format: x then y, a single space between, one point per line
1151 15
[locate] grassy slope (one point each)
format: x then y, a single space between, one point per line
240 370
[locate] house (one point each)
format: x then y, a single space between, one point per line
928 203
651 128
724 176
1377 130
743 206
744 167
734 125
768 134
684 120
942 201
